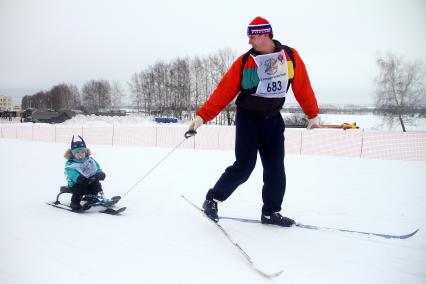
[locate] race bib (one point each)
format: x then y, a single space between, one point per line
272 71
87 168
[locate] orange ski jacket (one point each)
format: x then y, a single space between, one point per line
230 86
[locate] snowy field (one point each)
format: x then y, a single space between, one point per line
162 239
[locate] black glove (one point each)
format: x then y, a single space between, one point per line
100 175
85 181
82 180
91 179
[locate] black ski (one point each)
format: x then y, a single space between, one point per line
108 210
111 211
312 227
240 249
102 202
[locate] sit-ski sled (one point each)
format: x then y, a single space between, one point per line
91 201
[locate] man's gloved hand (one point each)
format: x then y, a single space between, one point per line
313 123
100 175
197 122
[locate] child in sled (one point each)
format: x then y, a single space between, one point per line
82 173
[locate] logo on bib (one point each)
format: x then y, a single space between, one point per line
280 58
271 66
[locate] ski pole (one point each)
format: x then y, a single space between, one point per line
343 126
187 135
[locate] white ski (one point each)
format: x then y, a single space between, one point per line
235 244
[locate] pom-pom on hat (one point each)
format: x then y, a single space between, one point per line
259 26
78 145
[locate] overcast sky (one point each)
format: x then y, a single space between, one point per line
46 42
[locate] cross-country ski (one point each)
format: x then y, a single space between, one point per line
322 228
246 256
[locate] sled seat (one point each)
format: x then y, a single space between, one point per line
65 189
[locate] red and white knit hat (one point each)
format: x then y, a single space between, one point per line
259 26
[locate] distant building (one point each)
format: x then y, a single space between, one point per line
5 103
17 109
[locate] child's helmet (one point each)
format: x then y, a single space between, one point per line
78 145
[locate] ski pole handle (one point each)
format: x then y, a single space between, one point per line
190 133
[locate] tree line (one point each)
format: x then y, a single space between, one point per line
176 88
95 96
179 87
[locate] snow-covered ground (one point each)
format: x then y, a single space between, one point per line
162 239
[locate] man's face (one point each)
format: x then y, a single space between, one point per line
258 41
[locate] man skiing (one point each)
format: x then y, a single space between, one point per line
260 78
82 172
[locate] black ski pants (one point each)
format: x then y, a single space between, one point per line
82 189
256 133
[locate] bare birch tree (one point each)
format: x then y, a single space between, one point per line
220 63
74 98
181 89
136 90
97 95
196 75
117 95
64 97
399 89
